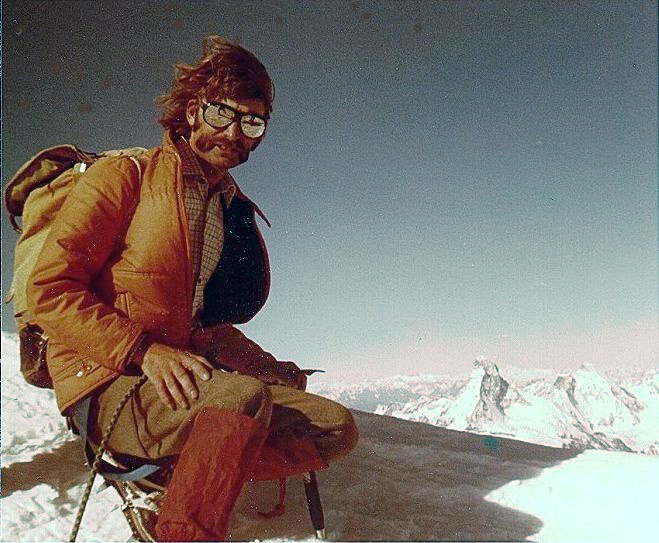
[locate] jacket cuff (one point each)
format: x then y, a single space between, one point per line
136 355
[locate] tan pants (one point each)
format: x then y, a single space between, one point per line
147 428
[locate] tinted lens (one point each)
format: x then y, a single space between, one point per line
218 116
252 126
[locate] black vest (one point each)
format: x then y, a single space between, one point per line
239 286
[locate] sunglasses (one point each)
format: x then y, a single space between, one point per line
221 116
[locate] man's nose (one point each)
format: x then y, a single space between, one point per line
233 131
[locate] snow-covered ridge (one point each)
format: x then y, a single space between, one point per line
581 409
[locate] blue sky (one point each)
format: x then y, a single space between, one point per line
445 180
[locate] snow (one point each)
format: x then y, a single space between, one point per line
579 409
467 402
404 481
32 425
622 486
597 403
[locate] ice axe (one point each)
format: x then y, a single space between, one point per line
311 489
311 372
314 504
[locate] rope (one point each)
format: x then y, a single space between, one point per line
99 454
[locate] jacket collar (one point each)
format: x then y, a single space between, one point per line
191 168
172 143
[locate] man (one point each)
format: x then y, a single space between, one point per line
148 265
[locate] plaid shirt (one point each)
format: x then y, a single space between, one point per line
205 219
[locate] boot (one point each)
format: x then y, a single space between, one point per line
213 465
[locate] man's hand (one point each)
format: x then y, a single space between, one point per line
170 372
285 373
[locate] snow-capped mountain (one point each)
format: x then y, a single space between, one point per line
581 409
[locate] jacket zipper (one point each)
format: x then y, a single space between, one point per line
186 234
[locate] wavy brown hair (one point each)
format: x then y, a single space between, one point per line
225 70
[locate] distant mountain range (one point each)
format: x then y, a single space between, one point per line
581 409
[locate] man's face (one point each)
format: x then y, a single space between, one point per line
221 149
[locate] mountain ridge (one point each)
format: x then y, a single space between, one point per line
579 409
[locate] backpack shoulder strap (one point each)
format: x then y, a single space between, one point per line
135 154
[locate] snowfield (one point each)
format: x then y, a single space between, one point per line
406 480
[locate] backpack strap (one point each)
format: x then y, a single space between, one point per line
137 165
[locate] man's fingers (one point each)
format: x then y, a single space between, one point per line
175 391
163 393
199 366
188 386
197 357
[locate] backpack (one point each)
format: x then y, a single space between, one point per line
36 193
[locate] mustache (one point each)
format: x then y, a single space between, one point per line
207 142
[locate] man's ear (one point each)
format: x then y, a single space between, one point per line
191 111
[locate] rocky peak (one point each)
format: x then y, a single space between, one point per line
493 390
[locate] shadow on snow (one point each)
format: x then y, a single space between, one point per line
405 481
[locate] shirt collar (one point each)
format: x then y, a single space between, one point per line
192 168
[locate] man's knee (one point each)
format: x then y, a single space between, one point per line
349 434
258 399
341 435
239 393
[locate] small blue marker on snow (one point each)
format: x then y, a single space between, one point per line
491 443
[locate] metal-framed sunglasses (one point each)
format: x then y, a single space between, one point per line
221 116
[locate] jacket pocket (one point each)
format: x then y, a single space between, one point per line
143 310
146 297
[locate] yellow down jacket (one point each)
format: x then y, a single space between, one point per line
116 266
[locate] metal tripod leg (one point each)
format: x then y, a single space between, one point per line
314 504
